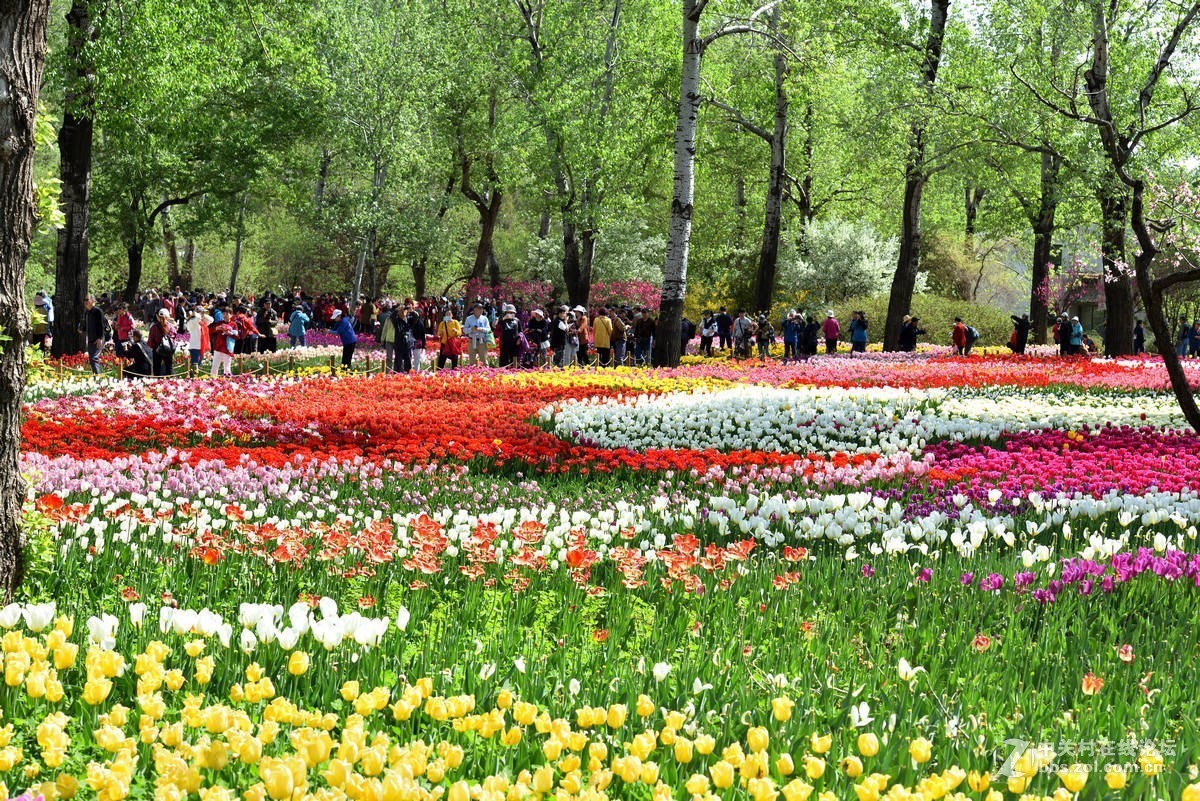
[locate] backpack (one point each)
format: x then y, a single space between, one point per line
972 333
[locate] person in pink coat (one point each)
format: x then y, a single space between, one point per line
831 328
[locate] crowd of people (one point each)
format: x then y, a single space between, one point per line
415 333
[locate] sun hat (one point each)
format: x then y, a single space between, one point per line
828 314
163 313
336 314
579 309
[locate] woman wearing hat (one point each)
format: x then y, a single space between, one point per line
832 330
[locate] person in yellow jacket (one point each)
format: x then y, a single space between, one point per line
602 329
448 332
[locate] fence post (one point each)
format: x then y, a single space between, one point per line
331 365
368 362
291 364
120 369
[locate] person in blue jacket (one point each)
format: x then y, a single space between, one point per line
298 326
793 327
345 329
858 332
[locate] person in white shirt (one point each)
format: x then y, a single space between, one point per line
478 330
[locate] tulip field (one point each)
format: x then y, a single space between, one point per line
879 577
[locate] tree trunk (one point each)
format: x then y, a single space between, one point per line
133 253
905 279
75 172
378 177
189 264
419 269
587 255
22 58
1152 300
322 179
1118 285
674 288
572 274
493 269
972 198
739 211
768 257
237 247
915 175
1043 242
172 250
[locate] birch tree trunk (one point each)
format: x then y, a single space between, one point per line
916 174
22 59
670 307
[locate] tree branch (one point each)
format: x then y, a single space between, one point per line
168 203
737 117
1164 59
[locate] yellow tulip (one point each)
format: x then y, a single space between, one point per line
459 791
96 690
868 744
784 766
814 767
1017 784
705 743
649 773
978 782
757 739
298 663
781 708
543 779
722 775
616 716
920 750
866 792
350 690
697 784
1115 779
796 790
1191 793
1074 777
277 778
852 766
820 743
511 737
645 706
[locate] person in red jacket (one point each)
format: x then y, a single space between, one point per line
959 335
223 337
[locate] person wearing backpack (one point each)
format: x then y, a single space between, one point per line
972 338
162 343
142 365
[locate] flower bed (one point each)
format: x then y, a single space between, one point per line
853 578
